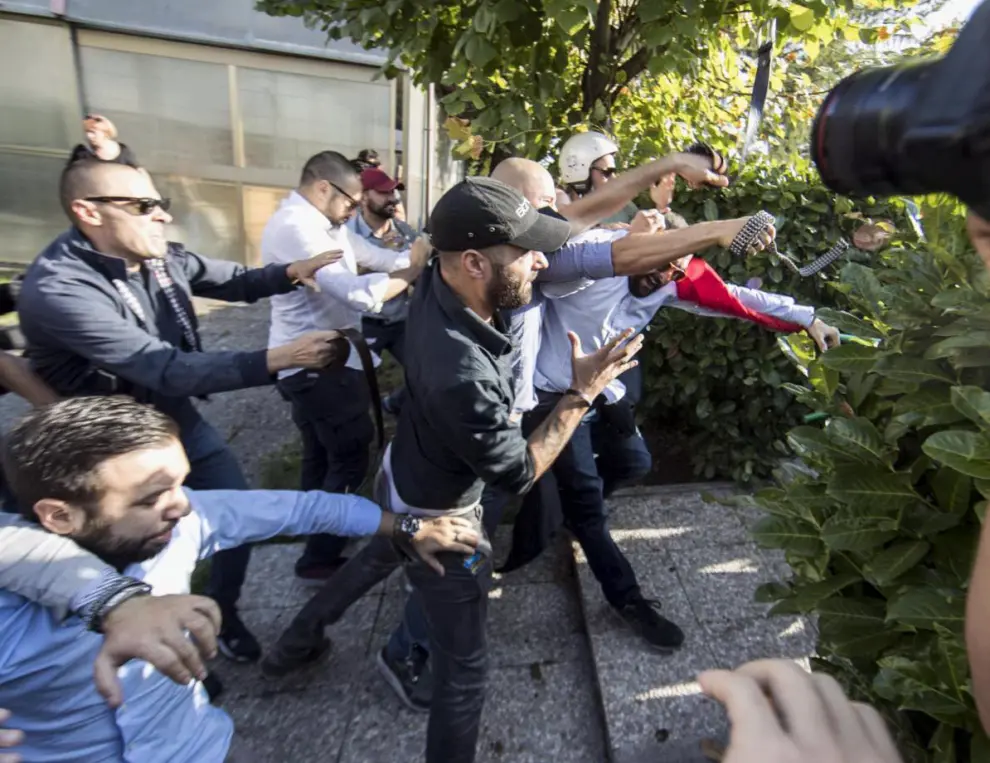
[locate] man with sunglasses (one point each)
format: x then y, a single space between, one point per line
107 309
587 163
331 406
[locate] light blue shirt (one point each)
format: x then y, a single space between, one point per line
46 666
583 259
598 311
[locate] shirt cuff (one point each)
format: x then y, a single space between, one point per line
377 286
253 367
96 590
803 315
364 520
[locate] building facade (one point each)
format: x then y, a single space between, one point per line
221 103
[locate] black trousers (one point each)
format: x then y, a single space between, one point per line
331 410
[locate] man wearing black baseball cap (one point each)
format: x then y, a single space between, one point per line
454 436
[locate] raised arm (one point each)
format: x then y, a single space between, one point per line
594 207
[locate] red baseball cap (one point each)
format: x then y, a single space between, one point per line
375 179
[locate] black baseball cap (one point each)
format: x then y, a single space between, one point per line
480 212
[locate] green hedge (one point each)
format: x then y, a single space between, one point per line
880 518
719 382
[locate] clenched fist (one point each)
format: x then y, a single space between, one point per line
316 350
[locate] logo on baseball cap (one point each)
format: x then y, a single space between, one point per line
480 212
376 179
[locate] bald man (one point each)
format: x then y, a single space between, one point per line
107 309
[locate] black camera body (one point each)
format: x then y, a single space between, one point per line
915 128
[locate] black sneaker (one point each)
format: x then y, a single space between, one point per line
280 662
235 641
643 616
411 679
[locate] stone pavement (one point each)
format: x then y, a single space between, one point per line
697 558
569 683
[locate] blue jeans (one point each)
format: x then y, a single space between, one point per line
581 484
214 467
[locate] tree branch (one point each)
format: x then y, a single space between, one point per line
594 81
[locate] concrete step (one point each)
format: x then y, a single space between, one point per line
698 560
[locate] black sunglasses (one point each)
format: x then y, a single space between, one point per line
607 172
351 201
141 206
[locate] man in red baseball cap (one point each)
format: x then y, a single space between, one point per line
377 223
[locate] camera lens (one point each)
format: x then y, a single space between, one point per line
856 136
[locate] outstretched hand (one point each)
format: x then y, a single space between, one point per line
591 373
825 336
304 271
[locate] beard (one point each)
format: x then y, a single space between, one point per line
119 552
386 211
508 292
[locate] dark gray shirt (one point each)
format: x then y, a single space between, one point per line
454 434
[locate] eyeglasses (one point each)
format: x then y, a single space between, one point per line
607 172
137 206
352 203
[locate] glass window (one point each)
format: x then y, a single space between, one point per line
30 213
38 103
174 114
289 117
206 217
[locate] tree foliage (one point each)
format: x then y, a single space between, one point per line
518 73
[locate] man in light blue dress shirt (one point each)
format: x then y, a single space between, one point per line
108 473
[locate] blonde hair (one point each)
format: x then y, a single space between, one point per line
98 120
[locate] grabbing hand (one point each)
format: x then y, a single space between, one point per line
781 714
591 373
452 534
825 336
9 738
662 193
698 170
304 271
647 221
152 628
733 228
317 349
419 254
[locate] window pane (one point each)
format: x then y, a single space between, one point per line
260 204
206 216
174 114
30 214
289 117
38 104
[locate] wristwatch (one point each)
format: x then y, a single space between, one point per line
405 528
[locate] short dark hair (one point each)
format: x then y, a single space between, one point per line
331 166
81 178
54 451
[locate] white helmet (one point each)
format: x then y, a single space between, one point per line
579 153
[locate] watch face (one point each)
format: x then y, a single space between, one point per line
409 525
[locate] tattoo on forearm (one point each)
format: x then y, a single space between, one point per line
550 437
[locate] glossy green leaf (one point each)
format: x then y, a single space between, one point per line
891 563
922 608
966 452
792 534
973 403
953 490
851 358
909 369
868 488
859 439
861 535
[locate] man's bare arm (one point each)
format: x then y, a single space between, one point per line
594 207
16 375
639 254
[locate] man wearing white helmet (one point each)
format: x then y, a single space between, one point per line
587 162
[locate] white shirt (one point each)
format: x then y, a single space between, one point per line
299 230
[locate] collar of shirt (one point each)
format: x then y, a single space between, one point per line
112 267
316 218
493 336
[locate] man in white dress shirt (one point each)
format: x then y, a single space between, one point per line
331 407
